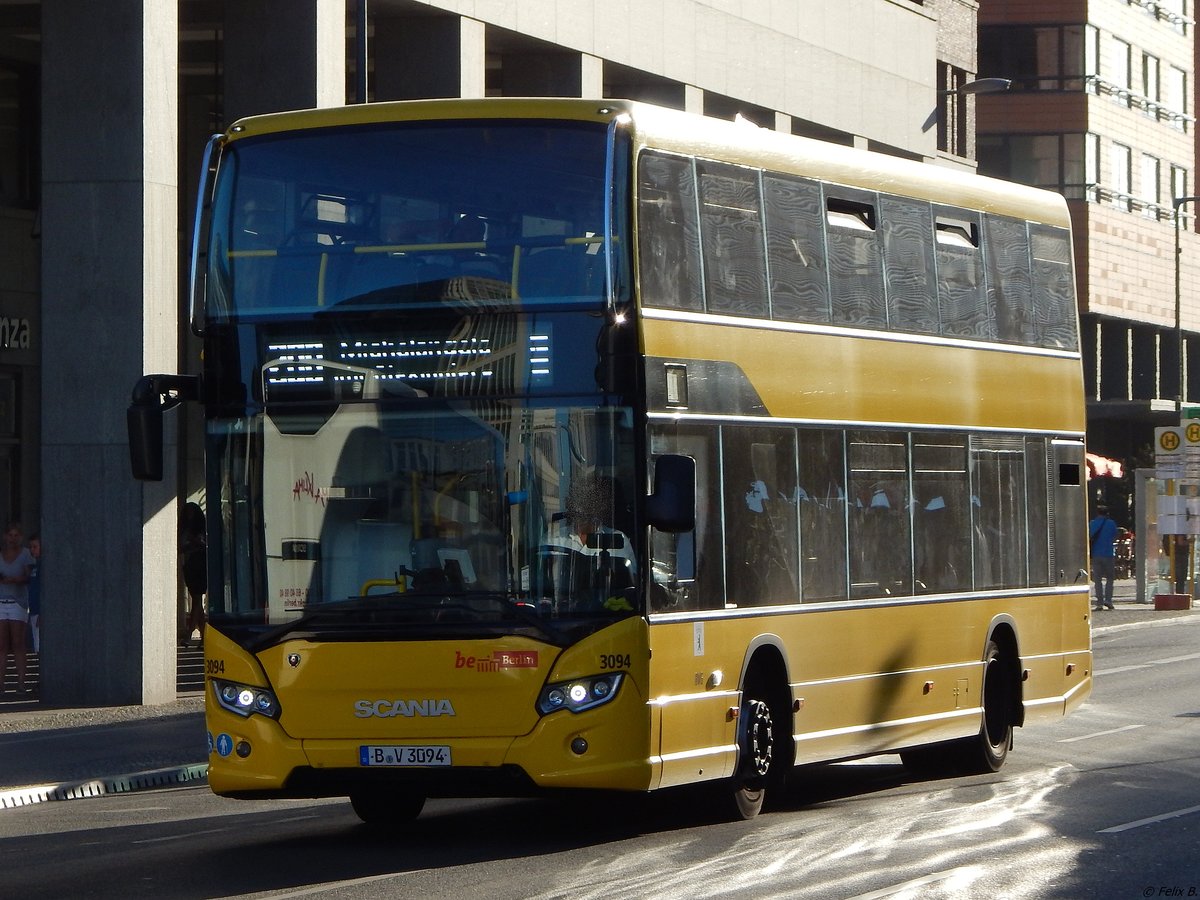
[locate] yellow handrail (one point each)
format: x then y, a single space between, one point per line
383 582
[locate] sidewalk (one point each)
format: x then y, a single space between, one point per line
1128 611
67 754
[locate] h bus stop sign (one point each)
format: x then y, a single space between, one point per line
1177 469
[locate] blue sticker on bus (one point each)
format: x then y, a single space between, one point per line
224 744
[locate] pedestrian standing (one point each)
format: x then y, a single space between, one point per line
15 565
35 595
1103 533
193 553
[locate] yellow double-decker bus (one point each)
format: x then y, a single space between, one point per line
588 444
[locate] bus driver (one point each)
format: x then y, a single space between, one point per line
584 529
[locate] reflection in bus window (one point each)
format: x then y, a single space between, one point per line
908 253
1009 281
669 233
998 511
941 513
688 569
796 249
760 515
731 235
855 259
1037 491
961 294
821 495
880 560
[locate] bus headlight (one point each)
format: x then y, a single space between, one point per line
245 699
578 694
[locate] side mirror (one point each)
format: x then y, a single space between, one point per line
145 424
672 506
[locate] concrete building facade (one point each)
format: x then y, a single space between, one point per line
106 109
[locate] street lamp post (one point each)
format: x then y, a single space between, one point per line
981 86
1177 202
978 86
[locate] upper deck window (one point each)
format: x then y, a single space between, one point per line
495 213
714 237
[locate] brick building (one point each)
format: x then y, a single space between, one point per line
1102 109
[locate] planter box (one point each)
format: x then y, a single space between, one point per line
1172 601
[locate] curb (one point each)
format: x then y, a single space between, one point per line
1120 626
11 798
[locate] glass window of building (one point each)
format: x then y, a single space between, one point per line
1179 187
1150 77
1091 53
1150 191
1120 69
1091 167
1175 96
1122 160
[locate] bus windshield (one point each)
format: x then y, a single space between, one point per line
496 214
421 523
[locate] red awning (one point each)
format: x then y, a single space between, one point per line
1099 466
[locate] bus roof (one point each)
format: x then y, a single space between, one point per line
740 143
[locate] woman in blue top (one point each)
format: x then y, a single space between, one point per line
16 563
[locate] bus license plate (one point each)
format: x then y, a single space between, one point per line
426 755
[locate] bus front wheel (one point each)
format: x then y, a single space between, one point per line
757 763
387 808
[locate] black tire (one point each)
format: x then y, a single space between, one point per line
995 736
387 808
760 760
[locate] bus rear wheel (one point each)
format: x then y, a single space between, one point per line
986 751
387 808
989 749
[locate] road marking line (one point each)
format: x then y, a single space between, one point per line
1088 737
969 873
1120 669
181 837
1146 665
1153 820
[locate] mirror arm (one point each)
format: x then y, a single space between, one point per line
165 391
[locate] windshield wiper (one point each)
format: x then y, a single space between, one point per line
432 603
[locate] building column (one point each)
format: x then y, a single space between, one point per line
591 76
301 66
110 301
420 57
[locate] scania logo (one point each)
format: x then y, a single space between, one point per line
386 709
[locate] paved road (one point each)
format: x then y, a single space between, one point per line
1104 803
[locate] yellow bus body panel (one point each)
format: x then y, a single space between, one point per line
846 378
337 697
865 681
